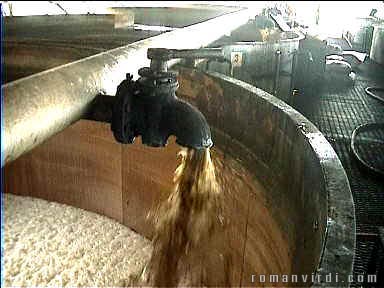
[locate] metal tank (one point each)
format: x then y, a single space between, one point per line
259 58
362 38
267 64
377 48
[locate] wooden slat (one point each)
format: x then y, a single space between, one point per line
84 167
147 180
81 166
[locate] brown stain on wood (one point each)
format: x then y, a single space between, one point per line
84 167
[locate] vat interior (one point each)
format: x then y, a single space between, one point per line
75 172
25 59
48 244
27 38
79 165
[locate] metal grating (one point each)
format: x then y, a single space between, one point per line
367 190
337 110
369 146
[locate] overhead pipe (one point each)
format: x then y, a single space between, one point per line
39 106
277 72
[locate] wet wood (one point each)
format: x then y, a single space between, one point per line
147 176
83 166
79 166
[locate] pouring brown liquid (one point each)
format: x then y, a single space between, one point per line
202 234
188 225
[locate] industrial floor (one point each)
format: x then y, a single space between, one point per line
337 111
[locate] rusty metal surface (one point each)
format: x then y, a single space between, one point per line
308 190
41 105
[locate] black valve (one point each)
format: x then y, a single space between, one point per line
150 108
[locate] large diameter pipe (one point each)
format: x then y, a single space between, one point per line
39 106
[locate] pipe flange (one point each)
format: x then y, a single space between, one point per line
149 73
156 82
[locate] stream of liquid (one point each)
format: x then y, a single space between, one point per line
187 227
202 235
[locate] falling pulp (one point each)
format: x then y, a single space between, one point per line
188 225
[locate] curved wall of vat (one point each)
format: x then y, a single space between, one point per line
307 189
304 186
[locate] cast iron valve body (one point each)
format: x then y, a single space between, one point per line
149 107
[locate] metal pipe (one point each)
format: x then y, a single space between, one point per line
160 56
159 65
39 106
168 54
293 75
277 72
